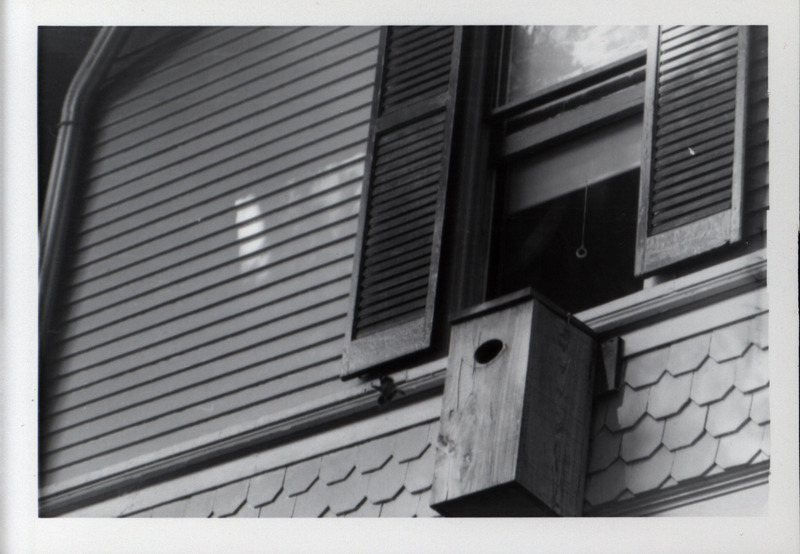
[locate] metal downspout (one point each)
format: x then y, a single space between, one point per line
61 184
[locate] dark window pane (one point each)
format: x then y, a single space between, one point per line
538 246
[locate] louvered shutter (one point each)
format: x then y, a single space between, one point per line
395 272
692 168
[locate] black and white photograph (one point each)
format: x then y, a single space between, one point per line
417 270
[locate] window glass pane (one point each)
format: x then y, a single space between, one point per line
543 56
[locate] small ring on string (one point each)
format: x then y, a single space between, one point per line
581 252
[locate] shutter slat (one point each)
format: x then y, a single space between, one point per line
692 213
402 312
686 33
694 126
712 165
422 219
691 193
391 280
683 186
379 272
673 142
401 300
718 144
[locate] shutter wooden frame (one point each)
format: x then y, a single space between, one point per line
704 233
401 336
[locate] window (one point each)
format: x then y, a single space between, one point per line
602 155
569 122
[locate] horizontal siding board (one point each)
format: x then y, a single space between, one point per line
284 188
269 229
216 317
221 180
79 451
241 123
193 353
130 299
216 396
181 244
203 402
277 339
257 371
123 359
57 471
221 161
215 297
250 73
158 146
213 45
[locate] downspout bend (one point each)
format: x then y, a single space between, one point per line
61 182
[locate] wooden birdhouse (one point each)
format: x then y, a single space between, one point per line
516 412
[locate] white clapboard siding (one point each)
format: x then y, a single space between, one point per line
214 240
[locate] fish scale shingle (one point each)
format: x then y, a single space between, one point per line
729 414
300 477
646 369
603 450
684 428
759 408
650 473
712 381
730 342
387 483
740 447
626 408
264 488
410 444
337 466
687 355
605 486
696 459
313 502
230 498
641 441
373 455
669 395
752 370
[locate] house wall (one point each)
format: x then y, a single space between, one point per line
211 268
208 291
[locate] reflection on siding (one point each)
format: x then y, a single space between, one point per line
249 214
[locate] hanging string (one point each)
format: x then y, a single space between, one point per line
581 252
